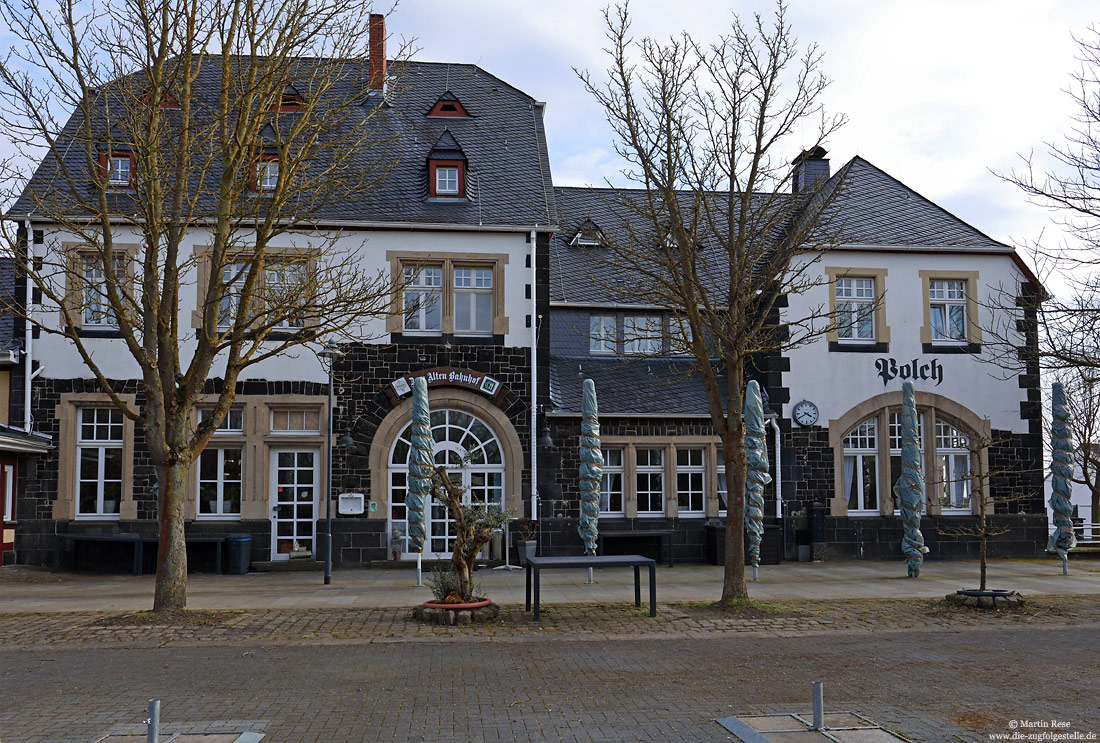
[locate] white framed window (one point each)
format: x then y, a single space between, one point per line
423 299
96 309
267 174
446 181
295 421
723 490
953 467
285 283
861 468
642 334
947 310
895 447
473 289
232 422
99 462
9 494
690 482
603 331
118 171
611 485
855 309
219 483
649 481
233 279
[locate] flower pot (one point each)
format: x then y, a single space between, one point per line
475 604
525 547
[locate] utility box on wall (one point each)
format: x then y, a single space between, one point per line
350 504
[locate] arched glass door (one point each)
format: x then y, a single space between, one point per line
474 459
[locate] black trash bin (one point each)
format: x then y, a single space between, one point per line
240 553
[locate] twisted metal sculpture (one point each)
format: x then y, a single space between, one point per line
591 470
421 465
1061 471
909 488
756 471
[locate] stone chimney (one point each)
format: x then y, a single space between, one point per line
377 51
811 168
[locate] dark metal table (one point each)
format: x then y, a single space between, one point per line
637 562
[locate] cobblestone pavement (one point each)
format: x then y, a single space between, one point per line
587 673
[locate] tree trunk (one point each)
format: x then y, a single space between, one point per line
170 593
733 579
464 576
984 538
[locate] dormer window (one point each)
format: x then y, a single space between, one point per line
265 178
446 179
117 168
589 235
289 102
448 106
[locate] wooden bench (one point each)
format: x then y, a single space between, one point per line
138 541
536 564
663 537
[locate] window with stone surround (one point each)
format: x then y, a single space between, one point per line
690 479
649 482
611 484
860 468
99 463
460 294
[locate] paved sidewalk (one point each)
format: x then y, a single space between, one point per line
34 590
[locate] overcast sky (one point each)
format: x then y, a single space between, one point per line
938 93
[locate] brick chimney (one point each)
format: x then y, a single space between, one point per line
377 52
811 168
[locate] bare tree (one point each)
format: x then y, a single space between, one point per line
713 232
979 479
1083 405
1069 317
165 125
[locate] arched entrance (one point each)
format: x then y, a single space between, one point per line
475 461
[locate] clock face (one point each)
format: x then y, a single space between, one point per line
805 413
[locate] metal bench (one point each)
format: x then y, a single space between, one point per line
663 537
138 541
537 564
76 539
1087 534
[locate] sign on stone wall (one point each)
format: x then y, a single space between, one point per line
443 376
889 369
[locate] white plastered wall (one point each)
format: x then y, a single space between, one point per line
837 381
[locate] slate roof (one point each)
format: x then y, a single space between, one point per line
503 141
872 208
628 387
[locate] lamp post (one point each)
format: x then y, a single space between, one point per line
331 353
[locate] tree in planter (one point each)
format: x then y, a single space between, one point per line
201 136
473 524
713 233
980 479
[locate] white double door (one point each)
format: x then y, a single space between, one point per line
478 487
295 478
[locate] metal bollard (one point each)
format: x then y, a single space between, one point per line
152 734
819 706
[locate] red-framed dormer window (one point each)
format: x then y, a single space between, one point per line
166 101
449 108
117 169
446 179
289 103
265 174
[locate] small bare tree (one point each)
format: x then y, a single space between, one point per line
188 143
980 479
714 233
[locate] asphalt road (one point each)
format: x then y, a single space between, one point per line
933 685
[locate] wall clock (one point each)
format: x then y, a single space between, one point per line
805 413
